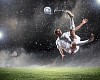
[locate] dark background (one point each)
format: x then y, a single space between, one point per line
24 25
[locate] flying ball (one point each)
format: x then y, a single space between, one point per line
47 10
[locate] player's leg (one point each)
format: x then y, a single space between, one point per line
72 30
72 26
79 43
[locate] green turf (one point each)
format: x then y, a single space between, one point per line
47 73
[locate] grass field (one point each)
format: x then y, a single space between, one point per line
50 73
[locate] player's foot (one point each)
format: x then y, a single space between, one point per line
63 57
71 15
91 38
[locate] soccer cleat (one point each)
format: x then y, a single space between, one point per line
91 38
71 15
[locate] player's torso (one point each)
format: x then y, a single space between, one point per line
63 41
67 47
64 44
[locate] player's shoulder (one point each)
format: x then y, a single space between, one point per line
66 33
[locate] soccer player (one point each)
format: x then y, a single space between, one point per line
69 41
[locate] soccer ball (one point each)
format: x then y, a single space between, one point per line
47 10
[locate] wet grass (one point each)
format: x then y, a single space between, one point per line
50 73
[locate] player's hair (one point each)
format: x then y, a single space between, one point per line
55 31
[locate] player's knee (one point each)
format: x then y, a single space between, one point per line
73 45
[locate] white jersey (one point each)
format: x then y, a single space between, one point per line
64 42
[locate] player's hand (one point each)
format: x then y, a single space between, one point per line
63 57
84 21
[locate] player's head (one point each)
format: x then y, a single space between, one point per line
57 32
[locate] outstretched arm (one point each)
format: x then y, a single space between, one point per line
62 53
84 21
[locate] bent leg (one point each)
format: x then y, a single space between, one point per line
79 43
82 42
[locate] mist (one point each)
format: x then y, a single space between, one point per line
85 57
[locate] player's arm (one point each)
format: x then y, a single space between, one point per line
84 21
62 53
